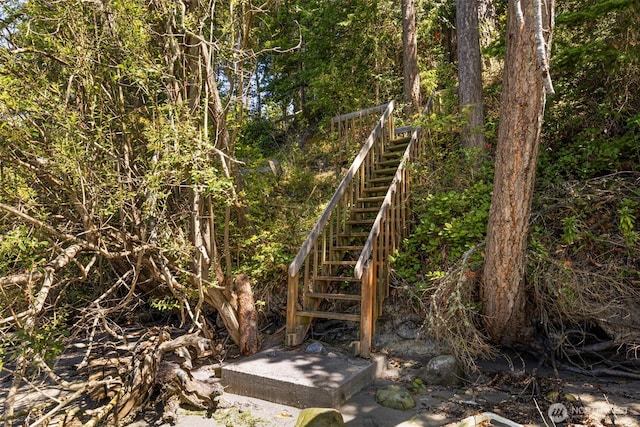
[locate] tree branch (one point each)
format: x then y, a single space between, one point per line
541 46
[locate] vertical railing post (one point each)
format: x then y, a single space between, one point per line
366 310
292 302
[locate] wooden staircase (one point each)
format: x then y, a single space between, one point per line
342 269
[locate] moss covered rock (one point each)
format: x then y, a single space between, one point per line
320 417
395 397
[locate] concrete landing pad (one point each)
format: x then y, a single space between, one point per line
295 378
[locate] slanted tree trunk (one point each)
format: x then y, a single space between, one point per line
522 107
410 55
469 73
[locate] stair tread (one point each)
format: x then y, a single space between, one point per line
346 248
403 140
387 178
353 234
328 295
391 155
397 148
365 210
394 161
360 221
385 170
371 199
376 189
350 262
329 315
337 279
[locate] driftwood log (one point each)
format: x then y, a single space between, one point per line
160 371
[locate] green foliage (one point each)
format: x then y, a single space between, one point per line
258 138
46 339
165 304
21 249
628 213
591 125
350 60
570 233
450 223
590 153
283 208
418 387
269 260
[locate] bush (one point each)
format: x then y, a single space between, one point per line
448 224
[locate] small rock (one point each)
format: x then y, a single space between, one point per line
395 397
408 330
315 348
320 417
442 370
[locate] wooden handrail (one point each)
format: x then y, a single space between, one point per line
307 246
367 250
359 113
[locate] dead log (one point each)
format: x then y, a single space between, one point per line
159 368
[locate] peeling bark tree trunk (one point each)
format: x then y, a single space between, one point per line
522 107
470 73
247 316
410 55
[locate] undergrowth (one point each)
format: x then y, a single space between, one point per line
582 273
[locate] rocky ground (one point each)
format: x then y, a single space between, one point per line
509 386
506 387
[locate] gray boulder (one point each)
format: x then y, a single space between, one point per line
442 370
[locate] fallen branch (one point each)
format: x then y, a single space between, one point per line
601 372
71 398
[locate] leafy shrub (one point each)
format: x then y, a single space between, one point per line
450 224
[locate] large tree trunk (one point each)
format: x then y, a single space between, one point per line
410 55
470 73
522 107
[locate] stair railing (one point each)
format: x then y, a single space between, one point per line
350 129
390 227
316 249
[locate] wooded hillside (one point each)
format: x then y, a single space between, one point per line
162 161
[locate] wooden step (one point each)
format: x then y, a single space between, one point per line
329 315
385 171
336 279
341 248
394 162
398 147
341 262
330 296
365 210
404 140
376 189
392 155
362 234
385 178
404 129
361 221
372 199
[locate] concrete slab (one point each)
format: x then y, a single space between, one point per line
296 378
